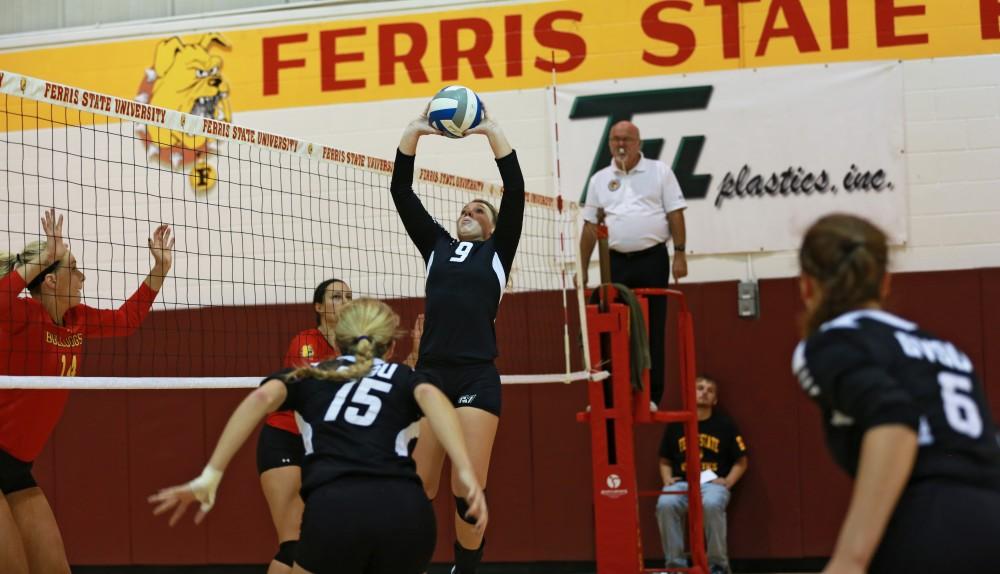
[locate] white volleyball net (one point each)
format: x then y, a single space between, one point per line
260 220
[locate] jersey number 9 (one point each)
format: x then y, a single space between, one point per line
461 252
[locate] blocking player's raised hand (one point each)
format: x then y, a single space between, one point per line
55 245
161 247
418 330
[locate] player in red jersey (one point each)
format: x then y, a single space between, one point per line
43 335
279 449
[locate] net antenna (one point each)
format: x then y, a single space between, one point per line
260 220
571 269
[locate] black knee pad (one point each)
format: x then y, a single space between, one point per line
462 507
286 553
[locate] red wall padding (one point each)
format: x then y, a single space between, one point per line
114 448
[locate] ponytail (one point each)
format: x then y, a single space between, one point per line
8 261
32 255
848 257
365 329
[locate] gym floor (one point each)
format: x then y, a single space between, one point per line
799 566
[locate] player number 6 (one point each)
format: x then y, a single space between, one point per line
959 408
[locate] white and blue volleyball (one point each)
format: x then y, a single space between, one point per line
455 109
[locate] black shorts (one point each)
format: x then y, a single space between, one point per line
15 474
278 447
476 386
941 526
367 525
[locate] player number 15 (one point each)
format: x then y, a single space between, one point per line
364 396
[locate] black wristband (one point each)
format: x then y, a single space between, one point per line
679 247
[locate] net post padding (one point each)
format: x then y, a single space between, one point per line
615 489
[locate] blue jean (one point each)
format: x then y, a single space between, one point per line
671 510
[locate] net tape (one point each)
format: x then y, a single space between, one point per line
138 383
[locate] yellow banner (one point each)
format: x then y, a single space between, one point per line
513 46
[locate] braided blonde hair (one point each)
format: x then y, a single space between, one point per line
366 329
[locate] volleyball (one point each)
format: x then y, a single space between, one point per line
455 109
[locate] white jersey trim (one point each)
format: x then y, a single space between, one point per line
501 274
305 429
850 320
405 436
801 370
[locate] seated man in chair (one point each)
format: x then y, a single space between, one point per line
723 462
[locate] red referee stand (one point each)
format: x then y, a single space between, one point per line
614 408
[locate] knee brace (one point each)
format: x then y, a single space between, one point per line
286 553
462 507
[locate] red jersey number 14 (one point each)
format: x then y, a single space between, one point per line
67 365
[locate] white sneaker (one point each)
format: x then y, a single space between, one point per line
652 407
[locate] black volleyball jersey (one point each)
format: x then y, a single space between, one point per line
465 279
362 427
869 367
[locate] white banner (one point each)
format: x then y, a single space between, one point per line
760 154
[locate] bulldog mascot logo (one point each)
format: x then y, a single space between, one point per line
188 78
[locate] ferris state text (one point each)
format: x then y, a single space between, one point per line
556 41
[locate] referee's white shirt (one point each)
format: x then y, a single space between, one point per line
635 204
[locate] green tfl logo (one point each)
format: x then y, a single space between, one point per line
622 106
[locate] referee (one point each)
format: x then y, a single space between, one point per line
641 202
